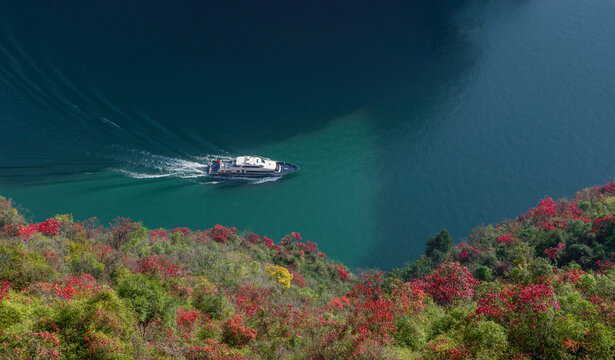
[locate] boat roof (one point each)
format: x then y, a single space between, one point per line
249 160
255 161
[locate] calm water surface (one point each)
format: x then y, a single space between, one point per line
405 119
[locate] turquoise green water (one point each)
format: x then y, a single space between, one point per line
405 119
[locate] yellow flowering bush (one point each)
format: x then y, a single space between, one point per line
281 274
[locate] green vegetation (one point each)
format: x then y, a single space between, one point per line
541 286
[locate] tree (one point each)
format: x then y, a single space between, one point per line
147 297
438 246
450 282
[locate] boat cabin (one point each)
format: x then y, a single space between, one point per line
255 163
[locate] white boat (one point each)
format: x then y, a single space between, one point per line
251 167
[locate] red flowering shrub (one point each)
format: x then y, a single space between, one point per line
235 333
573 276
603 265
221 233
408 297
341 272
5 287
603 224
99 345
467 252
253 239
608 188
70 287
158 235
371 313
182 291
553 252
251 300
52 258
26 231
606 308
269 243
182 230
199 236
11 229
504 239
297 279
186 320
526 311
106 321
517 302
103 253
569 210
442 349
43 345
549 215
159 266
545 210
450 282
338 303
50 227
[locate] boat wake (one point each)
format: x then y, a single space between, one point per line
144 165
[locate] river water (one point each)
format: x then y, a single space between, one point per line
405 118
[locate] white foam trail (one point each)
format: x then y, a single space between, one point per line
144 165
159 166
107 121
136 175
265 180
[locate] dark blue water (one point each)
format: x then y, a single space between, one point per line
405 118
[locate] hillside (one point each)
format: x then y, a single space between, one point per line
541 286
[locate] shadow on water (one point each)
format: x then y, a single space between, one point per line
398 237
215 76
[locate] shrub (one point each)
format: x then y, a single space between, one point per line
371 313
99 327
5 287
486 340
147 297
409 333
8 214
221 233
124 229
450 282
439 245
23 267
527 310
484 273
50 227
21 344
235 333
10 314
212 350
281 274
416 270
207 298
159 266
